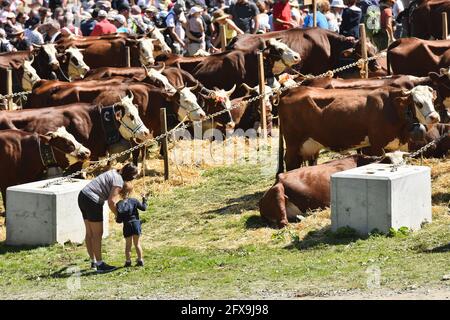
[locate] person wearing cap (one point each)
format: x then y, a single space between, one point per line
335 15
282 17
195 31
116 4
103 26
120 23
231 29
18 39
31 31
10 22
150 15
176 22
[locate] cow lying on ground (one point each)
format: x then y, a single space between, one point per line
342 119
26 156
297 191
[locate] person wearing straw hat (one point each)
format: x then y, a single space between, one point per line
195 31
18 39
231 29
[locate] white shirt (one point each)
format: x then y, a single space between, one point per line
170 22
397 8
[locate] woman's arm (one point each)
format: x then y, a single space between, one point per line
233 26
390 29
113 199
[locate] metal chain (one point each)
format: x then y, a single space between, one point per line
17 94
419 151
209 117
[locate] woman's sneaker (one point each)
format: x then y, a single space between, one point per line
103 268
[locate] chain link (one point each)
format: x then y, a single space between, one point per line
17 94
91 168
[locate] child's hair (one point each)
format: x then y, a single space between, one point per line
126 189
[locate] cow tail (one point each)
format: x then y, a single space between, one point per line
280 148
388 63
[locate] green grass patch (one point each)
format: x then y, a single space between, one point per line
207 241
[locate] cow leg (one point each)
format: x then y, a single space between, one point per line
135 155
292 157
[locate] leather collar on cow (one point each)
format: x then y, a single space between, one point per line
110 125
47 154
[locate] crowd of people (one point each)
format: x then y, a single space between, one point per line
190 26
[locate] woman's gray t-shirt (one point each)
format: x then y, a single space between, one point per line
99 189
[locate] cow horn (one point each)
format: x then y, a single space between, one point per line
37 45
406 92
130 94
163 67
443 71
193 88
230 92
32 59
146 70
247 88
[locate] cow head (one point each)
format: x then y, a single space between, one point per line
442 83
49 52
131 124
160 44
188 104
157 76
422 98
145 46
281 55
217 100
255 91
77 68
30 76
66 148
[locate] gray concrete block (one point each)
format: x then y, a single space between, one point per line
375 197
38 216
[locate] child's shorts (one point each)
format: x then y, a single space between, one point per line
131 228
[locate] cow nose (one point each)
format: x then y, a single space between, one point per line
54 65
434 118
296 57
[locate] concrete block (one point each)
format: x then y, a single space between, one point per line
375 197
38 216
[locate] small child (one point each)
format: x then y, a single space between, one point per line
127 213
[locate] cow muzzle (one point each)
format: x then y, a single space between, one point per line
433 118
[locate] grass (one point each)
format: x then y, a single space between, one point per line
203 238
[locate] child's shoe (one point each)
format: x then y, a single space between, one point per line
139 263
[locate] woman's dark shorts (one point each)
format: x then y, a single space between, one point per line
91 210
131 228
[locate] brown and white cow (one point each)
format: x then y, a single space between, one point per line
342 119
86 122
297 191
21 159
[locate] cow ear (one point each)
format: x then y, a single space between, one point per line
119 111
401 104
348 52
262 44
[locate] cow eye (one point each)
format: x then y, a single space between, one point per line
75 61
131 117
